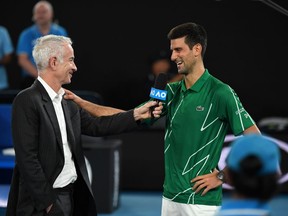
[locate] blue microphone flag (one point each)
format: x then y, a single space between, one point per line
158 90
158 94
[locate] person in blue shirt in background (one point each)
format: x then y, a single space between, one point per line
43 25
6 54
253 166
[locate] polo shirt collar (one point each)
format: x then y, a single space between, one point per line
199 83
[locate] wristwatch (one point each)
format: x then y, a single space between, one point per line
221 176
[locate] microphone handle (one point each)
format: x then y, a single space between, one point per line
152 108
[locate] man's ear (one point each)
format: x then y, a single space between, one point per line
198 49
53 62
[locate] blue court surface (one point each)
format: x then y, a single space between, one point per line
145 203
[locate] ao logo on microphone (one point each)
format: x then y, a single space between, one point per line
158 94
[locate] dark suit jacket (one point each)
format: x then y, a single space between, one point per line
39 150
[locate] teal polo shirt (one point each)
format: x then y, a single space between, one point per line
197 121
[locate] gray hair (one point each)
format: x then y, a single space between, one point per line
49 46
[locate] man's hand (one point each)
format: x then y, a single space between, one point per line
144 111
69 95
206 182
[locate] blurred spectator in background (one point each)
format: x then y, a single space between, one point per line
6 54
43 25
253 170
161 63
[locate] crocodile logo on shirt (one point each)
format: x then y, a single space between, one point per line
199 108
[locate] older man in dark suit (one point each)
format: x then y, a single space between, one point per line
50 175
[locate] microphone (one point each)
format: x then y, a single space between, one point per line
158 92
